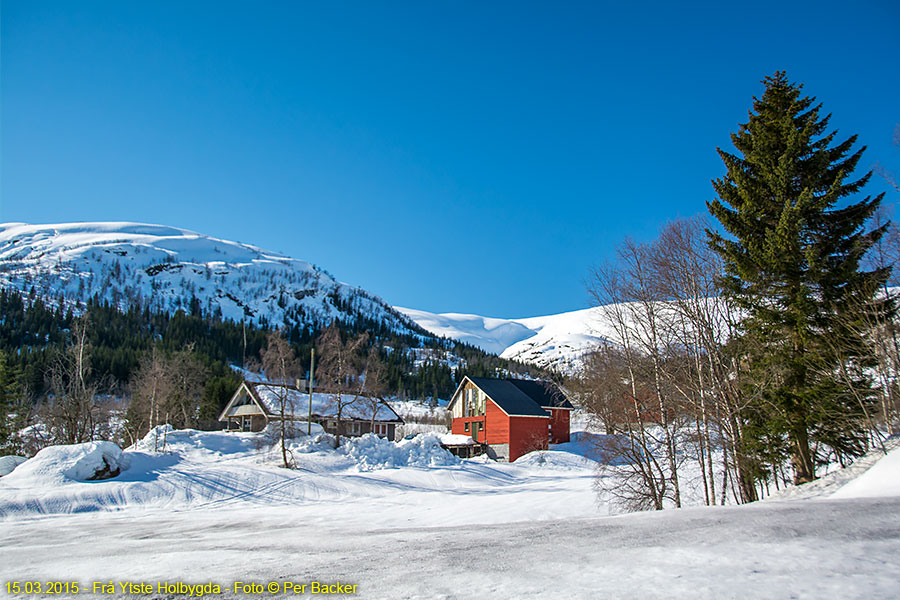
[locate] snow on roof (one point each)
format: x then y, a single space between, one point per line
456 439
323 404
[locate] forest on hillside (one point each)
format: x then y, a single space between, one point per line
68 373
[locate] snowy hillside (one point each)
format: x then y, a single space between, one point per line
555 341
165 267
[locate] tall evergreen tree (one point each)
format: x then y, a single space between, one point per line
792 264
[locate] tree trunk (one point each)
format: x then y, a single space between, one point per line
801 456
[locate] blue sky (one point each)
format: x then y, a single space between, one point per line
447 156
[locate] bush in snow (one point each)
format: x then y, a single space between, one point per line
372 452
80 462
8 463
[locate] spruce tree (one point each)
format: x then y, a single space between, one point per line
792 260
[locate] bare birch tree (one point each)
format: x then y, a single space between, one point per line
150 386
339 371
74 412
280 365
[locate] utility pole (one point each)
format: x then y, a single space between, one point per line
312 369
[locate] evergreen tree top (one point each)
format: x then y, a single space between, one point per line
780 195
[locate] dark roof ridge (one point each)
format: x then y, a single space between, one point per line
508 397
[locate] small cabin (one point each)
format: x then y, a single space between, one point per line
256 404
510 417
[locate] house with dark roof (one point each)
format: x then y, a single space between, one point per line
256 404
510 417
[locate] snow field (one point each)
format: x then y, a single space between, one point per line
409 521
199 470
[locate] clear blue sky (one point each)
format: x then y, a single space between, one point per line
448 156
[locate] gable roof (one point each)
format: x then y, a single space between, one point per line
545 393
508 397
267 396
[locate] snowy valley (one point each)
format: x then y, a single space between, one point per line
397 519
410 521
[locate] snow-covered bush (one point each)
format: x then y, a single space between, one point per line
79 462
8 463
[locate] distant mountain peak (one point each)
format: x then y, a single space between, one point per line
557 342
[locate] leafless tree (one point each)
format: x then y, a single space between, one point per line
601 387
339 369
280 365
150 386
374 384
165 390
646 477
672 361
887 175
75 411
189 375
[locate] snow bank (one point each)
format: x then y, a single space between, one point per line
8 463
200 445
833 484
77 462
882 479
605 449
554 459
318 442
372 452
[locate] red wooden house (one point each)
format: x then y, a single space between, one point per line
510 417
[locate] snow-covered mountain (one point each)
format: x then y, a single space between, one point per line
166 268
555 341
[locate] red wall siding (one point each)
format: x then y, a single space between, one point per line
459 426
496 424
559 425
527 434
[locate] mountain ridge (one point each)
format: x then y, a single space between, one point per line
168 268
557 341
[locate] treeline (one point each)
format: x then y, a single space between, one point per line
100 355
756 350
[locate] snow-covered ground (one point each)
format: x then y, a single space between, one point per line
409 521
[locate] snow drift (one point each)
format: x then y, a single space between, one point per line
372 452
91 461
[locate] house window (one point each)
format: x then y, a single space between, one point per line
474 403
467 426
